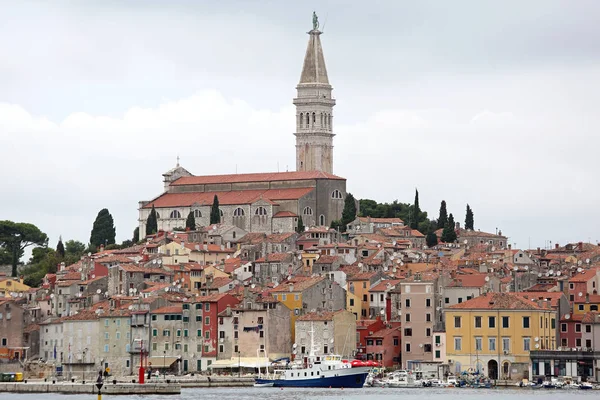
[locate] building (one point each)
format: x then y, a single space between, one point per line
495 332
333 332
384 346
366 225
268 202
12 324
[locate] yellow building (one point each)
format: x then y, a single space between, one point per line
354 304
200 273
359 285
498 329
11 285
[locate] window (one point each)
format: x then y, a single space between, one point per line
577 327
106 348
407 317
379 342
578 342
238 212
428 332
105 322
588 328
199 332
198 306
175 214
118 336
460 299
492 344
407 346
457 344
396 340
178 332
526 322
166 332
457 322
571 286
322 220
4 342
427 302
197 214
154 318
438 354
438 339
407 303
447 300
428 317
206 334
336 194
478 344
407 331
581 307
106 335
307 211
526 344
154 332
563 327
491 322
553 323
207 321
260 211
207 307
505 322
166 346
477 322
588 343
506 344
351 302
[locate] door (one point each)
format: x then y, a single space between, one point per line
493 369
185 365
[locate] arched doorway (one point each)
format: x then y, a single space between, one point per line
506 370
493 369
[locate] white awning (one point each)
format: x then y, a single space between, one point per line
160 362
244 362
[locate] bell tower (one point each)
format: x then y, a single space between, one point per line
314 109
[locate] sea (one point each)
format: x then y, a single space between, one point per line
252 393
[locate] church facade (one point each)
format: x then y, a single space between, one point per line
268 202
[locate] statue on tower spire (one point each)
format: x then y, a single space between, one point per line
315 21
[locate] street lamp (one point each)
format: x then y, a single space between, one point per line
239 364
164 364
83 366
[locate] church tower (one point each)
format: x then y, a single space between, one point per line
314 110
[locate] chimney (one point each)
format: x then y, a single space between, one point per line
510 246
556 246
101 248
587 297
457 225
539 251
580 246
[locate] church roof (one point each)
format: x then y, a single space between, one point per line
255 177
226 198
314 70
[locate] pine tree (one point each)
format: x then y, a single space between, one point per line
136 235
443 218
190 222
152 223
60 248
349 212
416 212
215 213
103 230
449 234
469 218
431 239
300 227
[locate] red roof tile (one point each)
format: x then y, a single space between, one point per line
169 310
285 214
498 301
256 177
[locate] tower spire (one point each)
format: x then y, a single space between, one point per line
314 109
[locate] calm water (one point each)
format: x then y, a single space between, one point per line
337 394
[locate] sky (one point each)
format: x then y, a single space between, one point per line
494 104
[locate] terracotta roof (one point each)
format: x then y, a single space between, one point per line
168 310
385 332
210 248
279 237
300 283
583 276
319 316
590 318
383 285
553 297
327 259
473 280
362 276
382 220
219 282
255 177
498 301
593 298
274 257
285 214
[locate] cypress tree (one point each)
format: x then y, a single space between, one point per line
152 223
136 235
60 247
300 227
443 218
190 222
103 230
431 239
469 218
349 212
215 214
414 221
449 234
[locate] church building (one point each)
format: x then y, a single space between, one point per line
268 202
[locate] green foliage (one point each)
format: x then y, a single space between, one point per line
16 236
152 223
431 239
190 222
349 212
370 208
469 222
103 230
443 217
5 257
60 248
337 224
113 246
43 261
427 226
75 248
449 234
300 227
215 213
127 243
136 234
416 211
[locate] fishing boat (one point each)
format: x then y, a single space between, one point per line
326 370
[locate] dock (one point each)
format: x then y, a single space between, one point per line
90 388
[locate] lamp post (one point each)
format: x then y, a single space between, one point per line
239 364
164 364
83 366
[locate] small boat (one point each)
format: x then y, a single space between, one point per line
264 384
586 386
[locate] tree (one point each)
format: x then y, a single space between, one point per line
449 234
349 212
75 248
469 218
336 224
5 257
443 218
136 235
152 222
103 230
215 213
16 236
300 227
60 247
190 222
415 213
431 239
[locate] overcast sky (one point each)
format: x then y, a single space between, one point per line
494 104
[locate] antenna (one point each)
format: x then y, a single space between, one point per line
324 22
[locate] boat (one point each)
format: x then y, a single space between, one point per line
404 379
328 370
586 386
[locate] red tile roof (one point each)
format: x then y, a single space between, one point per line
474 280
381 220
498 301
285 214
274 257
168 310
226 198
256 177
